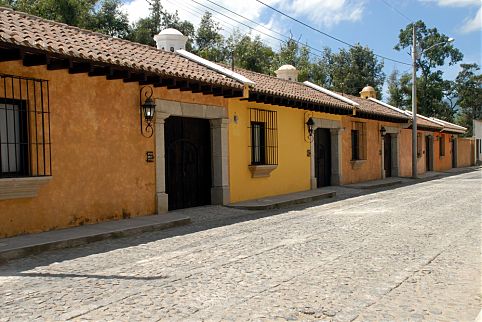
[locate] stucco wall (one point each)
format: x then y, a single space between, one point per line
371 168
465 152
406 153
293 171
442 163
98 154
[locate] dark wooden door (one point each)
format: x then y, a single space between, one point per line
428 154
454 155
322 157
387 155
188 162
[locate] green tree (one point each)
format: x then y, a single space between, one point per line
249 53
109 19
395 91
209 41
353 69
72 12
468 86
298 56
434 51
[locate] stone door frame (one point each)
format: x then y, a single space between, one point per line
395 150
336 150
218 119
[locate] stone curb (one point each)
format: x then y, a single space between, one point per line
69 242
375 186
284 203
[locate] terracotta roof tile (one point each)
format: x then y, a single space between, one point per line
271 85
371 107
29 31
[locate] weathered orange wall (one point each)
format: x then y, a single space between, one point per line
406 153
442 163
371 168
465 156
98 154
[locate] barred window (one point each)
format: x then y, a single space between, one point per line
358 141
441 145
264 137
24 127
419 145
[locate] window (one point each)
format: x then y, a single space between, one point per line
264 137
24 127
13 138
441 141
419 145
358 141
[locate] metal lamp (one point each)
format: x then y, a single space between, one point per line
146 111
310 123
383 131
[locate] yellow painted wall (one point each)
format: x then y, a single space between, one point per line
293 171
98 154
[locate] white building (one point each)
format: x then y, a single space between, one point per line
478 140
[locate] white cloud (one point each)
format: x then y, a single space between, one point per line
325 13
473 24
320 13
455 3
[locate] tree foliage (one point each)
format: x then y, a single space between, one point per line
435 51
353 69
468 86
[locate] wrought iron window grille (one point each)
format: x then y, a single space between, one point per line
263 129
25 145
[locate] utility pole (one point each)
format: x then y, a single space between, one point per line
414 104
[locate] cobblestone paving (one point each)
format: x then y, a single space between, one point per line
411 253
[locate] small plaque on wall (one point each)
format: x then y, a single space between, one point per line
149 156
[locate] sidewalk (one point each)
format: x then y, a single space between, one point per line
276 202
24 245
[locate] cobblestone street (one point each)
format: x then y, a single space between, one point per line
409 253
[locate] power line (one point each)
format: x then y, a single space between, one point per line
251 28
324 33
397 11
261 25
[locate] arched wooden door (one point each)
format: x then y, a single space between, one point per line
188 162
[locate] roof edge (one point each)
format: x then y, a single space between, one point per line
217 68
330 93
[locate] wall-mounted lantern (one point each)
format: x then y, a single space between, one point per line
146 111
309 124
383 131
452 138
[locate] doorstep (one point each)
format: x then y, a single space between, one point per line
279 201
25 245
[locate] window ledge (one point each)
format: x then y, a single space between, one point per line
357 164
260 171
16 188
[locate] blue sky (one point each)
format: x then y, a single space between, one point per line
369 22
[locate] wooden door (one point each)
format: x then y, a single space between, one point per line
387 155
454 154
428 154
322 157
188 162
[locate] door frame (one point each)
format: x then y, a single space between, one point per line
218 119
336 130
316 154
394 149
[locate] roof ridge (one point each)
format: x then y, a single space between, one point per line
83 30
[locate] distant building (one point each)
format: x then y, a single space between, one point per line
478 140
